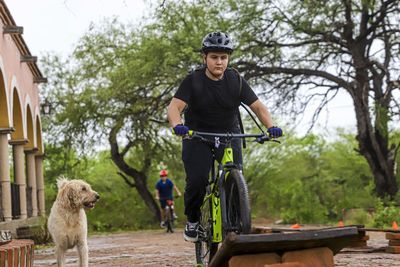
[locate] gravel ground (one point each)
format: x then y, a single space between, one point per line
157 248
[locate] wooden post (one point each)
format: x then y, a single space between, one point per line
28 58
13 29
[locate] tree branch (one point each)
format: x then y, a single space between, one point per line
327 36
348 27
126 148
297 72
126 179
380 18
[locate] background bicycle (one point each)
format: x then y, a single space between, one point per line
170 216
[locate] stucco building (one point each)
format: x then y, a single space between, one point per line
21 146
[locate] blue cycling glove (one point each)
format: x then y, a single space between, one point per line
181 129
275 131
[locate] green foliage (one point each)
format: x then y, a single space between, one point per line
386 214
120 207
305 180
308 180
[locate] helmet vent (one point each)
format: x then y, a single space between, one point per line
217 41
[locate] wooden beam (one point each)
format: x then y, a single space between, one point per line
6 130
39 79
12 29
28 58
333 238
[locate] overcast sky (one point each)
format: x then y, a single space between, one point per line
56 25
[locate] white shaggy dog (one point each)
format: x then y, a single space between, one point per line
67 221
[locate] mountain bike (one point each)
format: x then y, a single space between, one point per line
169 216
226 206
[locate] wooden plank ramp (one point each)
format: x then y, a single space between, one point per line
332 238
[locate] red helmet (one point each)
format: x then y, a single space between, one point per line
163 173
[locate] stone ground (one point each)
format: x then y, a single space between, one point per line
158 249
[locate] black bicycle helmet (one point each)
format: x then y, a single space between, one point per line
217 42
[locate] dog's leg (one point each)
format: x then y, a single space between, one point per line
83 254
60 252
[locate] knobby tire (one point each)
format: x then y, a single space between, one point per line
205 248
237 204
169 219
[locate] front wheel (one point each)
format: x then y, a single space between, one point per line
169 222
237 204
205 247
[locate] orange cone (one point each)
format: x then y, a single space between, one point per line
395 226
341 224
295 226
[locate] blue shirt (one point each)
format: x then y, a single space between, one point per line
165 189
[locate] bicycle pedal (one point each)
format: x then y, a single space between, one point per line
200 232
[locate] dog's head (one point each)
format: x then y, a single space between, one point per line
76 194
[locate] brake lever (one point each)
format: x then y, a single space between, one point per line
262 139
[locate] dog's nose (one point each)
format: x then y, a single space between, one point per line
97 196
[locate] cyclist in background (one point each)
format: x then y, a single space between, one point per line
164 193
211 96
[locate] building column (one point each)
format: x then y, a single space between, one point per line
40 184
5 174
31 175
19 173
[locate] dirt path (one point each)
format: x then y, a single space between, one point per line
158 249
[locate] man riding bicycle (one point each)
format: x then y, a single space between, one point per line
211 96
164 193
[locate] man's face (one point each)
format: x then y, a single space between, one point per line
163 178
217 62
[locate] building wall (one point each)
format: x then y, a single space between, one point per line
20 127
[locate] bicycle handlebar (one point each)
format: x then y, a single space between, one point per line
259 138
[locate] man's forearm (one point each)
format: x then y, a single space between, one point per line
265 118
262 113
174 111
174 116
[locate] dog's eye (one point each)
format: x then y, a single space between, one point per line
83 188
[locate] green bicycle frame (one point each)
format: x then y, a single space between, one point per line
216 201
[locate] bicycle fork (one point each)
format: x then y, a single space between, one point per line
216 217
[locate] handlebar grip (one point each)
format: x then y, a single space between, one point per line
262 139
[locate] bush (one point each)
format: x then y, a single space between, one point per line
385 215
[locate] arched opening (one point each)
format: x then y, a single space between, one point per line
17 172
29 124
30 166
18 133
39 135
4 118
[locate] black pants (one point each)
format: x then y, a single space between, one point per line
197 158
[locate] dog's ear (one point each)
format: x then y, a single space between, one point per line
67 196
61 182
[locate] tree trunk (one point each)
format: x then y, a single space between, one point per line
139 177
374 147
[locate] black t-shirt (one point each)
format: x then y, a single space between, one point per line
213 105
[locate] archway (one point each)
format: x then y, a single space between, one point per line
18 133
4 118
39 141
29 128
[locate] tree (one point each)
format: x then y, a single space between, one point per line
308 180
312 49
116 87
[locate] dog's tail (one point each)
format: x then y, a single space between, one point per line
61 181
